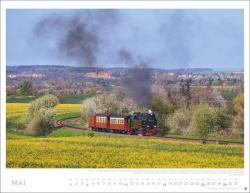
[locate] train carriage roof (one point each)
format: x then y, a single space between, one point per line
119 116
102 114
112 115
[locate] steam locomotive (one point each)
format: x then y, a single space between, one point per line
135 124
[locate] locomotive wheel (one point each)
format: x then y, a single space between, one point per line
141 134
131 132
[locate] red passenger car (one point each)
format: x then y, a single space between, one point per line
99 121
92 121
119 122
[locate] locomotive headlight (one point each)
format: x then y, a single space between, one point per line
147 125
154 125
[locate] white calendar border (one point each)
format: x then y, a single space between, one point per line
56 180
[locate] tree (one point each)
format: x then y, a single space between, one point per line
42 123
40 115
25 87
225 119
188 93
217 82
179 121
10 91
47 101
185 91
162 109
238 121
238 102
205 120
207 96
114 102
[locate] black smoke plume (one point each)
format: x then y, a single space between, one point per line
137 84
137 81
80 43
85 35
125 56
79 35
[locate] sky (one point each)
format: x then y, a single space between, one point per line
165 38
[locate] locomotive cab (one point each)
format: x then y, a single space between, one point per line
149 120
149 124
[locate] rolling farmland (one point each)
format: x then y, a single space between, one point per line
78 149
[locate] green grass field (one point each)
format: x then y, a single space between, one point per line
229 95
21 99
75 99
85 149
68 99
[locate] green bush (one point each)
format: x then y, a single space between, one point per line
205 120
162 107
163 131
229 95
16 122
162 110
225 119
230 109
89 133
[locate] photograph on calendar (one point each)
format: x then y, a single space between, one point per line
125 88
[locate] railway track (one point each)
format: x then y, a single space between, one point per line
61 123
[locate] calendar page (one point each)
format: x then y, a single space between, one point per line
124 96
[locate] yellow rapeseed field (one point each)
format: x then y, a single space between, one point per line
118 152
18 109
67 108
